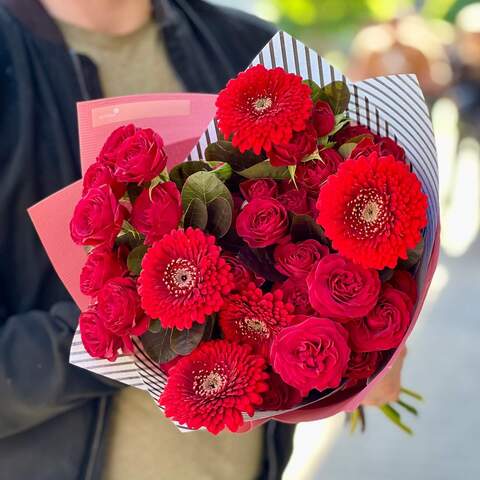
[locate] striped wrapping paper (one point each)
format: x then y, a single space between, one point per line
393 106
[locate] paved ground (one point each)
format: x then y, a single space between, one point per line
443 364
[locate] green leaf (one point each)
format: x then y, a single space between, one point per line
340 124
265 170
413 256
224 151
219 217
408 407
337 95
412 394
260 261
157 345
395 418
183 342
303 227
196 215
134 259
155 326
355 416
222 170
182 171
346 149
315 88
204 186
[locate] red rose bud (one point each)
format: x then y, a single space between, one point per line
158 212
97 340
296 201
99 174
140 157
301 145
279 395
97 218
323 118
242 276
362 365
295 291
341 289
298 259
113 142
119 308
404 281
258 188
296 356
383 146
311 175
350 131
263 222
385 326
102 264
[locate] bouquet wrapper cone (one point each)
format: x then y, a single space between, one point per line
390 106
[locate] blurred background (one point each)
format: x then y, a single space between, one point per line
439 41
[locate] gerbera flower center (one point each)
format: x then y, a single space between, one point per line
180 276
256 326
367 214
207 384
261 104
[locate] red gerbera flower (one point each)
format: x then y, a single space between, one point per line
184 279
214 385
373 210
255 318
263 107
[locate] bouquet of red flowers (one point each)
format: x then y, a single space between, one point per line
277 270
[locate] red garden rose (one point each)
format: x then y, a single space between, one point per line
362 365
312 354
406 283
311 175
157 212
263 107
99 174
102 264
115 139
323 118
97 218
298 259
139 157
242 276
97 340
184 279
119 309
341 289
296 201
258 187
214 385
385 326
382 145
263 222
350 131
295 291
279 395
373 209
254 318
293 152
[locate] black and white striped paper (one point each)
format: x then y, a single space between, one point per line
392 106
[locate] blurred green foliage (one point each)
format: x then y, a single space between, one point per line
333 15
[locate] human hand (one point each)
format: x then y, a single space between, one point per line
387 390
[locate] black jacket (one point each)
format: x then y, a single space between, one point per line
52 414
